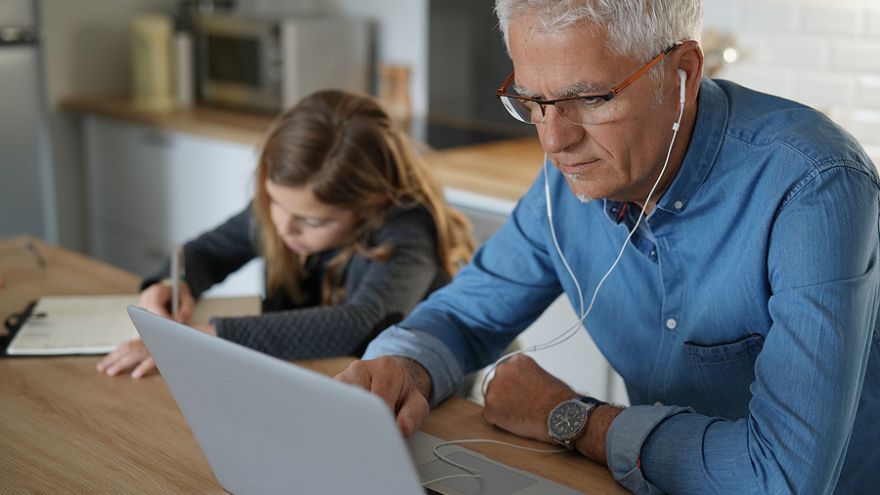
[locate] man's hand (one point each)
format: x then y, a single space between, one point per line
521 396
401 382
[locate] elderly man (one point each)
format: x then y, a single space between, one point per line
739 235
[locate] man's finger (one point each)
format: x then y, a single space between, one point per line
413 412
388 385
352 376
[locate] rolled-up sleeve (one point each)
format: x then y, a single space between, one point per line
425 349
624 441
823 270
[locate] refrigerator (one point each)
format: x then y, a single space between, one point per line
26 183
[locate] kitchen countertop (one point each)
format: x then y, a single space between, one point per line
502 170
240 127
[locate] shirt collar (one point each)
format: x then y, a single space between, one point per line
706 139
711 122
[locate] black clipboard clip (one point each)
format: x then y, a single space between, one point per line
13 323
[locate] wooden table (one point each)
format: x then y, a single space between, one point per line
31 268
66 428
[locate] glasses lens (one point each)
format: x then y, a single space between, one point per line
591 110
522 110
586 111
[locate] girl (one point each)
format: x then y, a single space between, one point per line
353 229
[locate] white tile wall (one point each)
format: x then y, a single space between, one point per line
763 16
831 20
797 52
872 22
865 126
824 54
824 90
767 79
868 92
856 56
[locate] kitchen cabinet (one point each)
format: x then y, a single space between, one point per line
149 189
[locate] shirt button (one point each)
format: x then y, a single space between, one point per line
671 323
678 205
653 253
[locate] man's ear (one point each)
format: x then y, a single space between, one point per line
689 58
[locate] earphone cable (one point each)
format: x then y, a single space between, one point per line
573 329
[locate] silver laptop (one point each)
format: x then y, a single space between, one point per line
267 426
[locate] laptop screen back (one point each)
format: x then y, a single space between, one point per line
267 426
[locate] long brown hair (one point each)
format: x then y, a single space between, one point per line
350 154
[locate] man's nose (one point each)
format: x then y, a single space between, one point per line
558 133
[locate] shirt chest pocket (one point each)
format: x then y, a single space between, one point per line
723 374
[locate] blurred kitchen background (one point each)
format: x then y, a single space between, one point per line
86 165
824 54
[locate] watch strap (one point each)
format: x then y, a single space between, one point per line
590 401
591 404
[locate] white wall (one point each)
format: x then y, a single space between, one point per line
824 54
403 39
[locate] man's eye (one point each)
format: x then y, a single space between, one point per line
590 101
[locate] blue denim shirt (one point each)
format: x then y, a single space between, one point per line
746 307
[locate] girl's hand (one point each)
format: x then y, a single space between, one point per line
129 355
133 355
206 328
157 299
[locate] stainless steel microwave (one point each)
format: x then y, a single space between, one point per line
270 64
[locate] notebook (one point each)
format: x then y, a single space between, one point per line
269 426
98 324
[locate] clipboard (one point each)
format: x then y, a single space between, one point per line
68 325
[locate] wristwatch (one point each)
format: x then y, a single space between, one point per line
568 420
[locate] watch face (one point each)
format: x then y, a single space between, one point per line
567 420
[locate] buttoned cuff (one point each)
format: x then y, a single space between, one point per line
425 349
623 444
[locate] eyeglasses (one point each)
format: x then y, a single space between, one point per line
586 109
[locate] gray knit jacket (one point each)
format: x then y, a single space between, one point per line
377 293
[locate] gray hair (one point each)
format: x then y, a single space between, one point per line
637 28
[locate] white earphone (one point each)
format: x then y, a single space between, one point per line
572 330
682 92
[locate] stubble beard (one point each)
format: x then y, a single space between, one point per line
575 180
